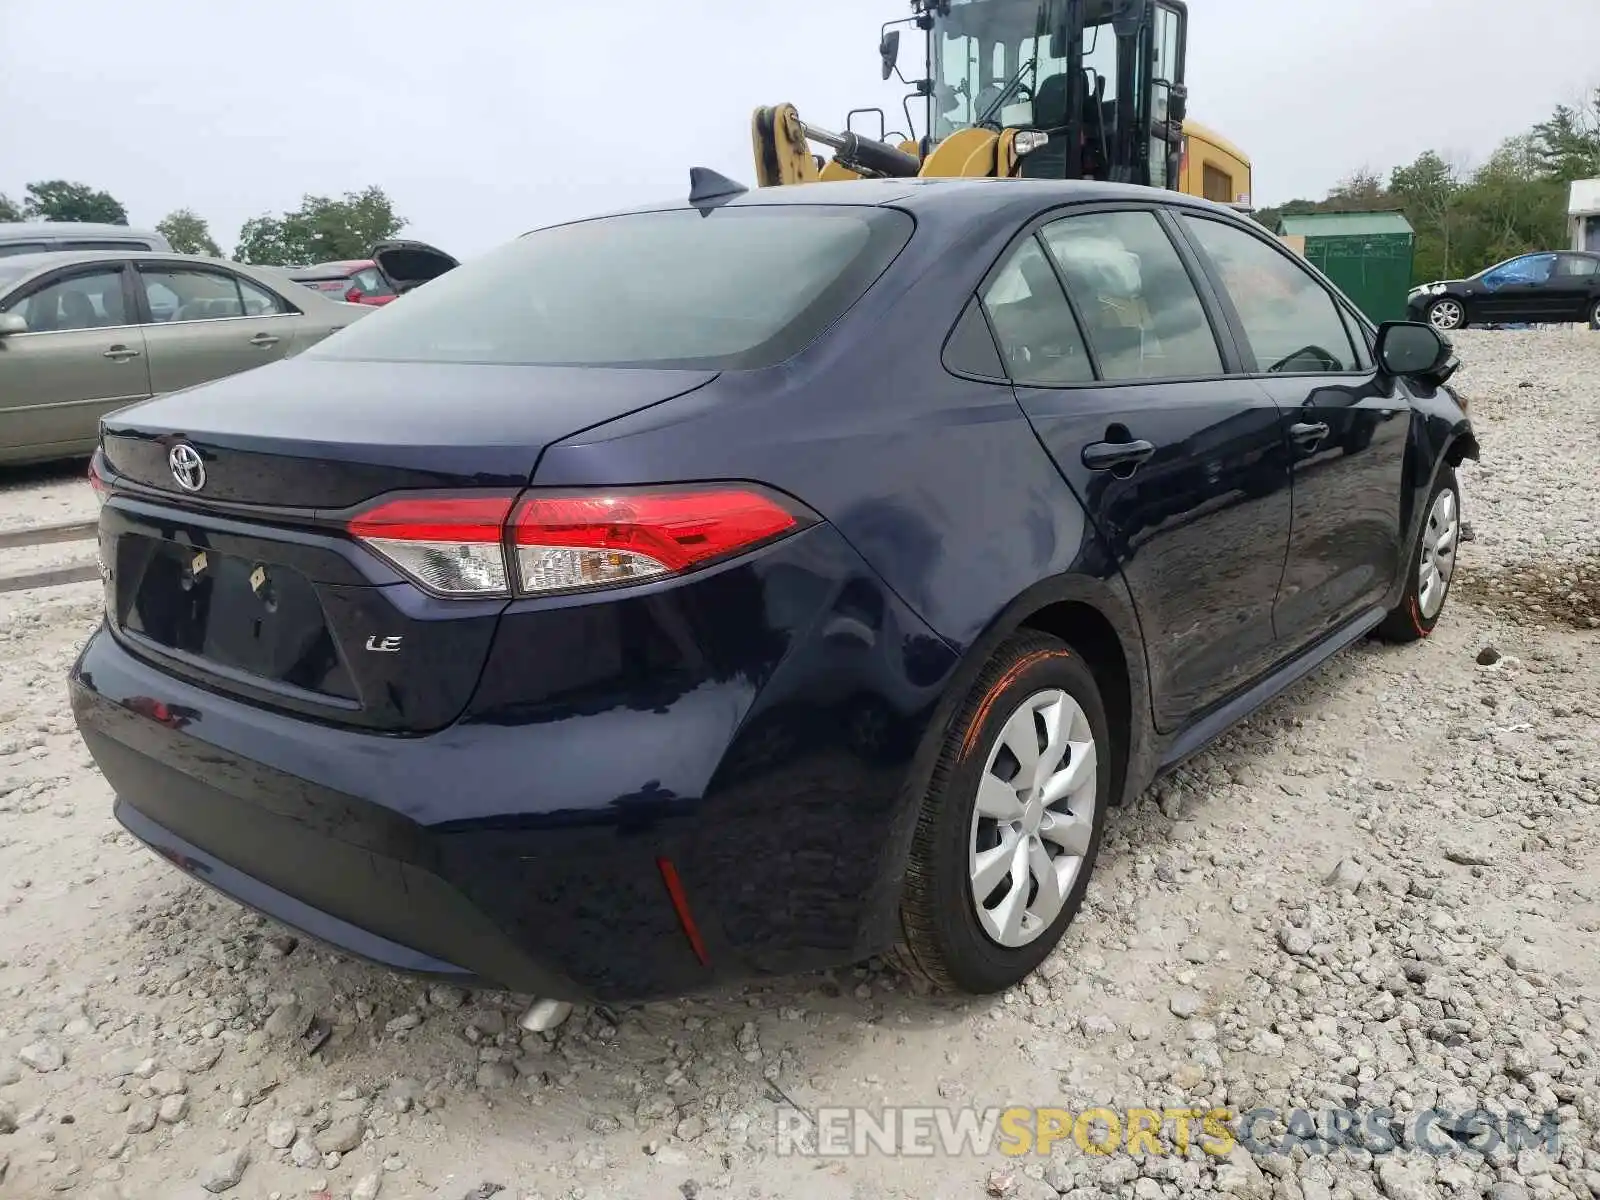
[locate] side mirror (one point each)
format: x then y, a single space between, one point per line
1178 104
1415 350
889 51
12 323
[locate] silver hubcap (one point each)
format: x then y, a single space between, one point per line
1445 315
1034 817
1438 564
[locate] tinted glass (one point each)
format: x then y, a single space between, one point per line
179 294
971 349
88 301
125 246
8 249
735 288
1290 320
1038 336
1575 266
1139 306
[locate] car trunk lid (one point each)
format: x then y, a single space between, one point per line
407 264
243 578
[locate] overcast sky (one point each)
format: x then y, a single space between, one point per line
484 120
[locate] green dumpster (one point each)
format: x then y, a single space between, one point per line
1368 254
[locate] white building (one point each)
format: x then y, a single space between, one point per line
1584 209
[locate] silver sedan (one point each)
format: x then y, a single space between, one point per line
85 333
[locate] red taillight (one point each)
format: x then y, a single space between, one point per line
353 296
457 545
448 544
96 480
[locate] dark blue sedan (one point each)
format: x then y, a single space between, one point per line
755 583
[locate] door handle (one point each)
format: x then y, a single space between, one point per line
121 353
1308 436
264 340
1111 456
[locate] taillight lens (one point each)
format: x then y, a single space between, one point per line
482 545
353 296
449 544
96 480
569 542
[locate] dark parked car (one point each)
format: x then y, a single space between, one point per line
1533 289
391 270
757 583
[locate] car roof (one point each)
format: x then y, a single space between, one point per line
65 258
959 197
54 229
331 268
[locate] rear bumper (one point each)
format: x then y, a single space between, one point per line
521 847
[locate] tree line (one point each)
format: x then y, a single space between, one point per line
1469 218
322 229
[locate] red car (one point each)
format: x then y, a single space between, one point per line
394 269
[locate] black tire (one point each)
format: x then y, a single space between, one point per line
943 941
1410 622
1461 322
1594 316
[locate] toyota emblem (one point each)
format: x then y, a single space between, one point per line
187 467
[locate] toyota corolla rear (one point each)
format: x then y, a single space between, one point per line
361 671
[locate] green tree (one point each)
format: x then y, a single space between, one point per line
188 233
1512 206
322 229
10 210
1567 146
1430 192
62 200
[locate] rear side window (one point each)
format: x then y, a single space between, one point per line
125 247
7 249
1033 322
1291 321
1576 266
1140 308
734 288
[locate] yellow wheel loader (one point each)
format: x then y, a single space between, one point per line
1041 89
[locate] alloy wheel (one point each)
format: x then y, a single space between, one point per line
1446 314
1439 541
1034 818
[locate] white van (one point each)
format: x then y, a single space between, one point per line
46 237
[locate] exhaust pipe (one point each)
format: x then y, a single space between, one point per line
545 1015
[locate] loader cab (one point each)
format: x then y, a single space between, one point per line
1103 78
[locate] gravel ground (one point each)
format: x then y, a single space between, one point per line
1381 892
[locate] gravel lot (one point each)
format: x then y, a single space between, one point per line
1383 891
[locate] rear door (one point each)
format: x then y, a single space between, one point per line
80 359
1347 427
207 322
1574 287
1180 463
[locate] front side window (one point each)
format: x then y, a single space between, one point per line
185 294
1033 322
1292 322
89 301
1140 309
1530 268
734 288
995 63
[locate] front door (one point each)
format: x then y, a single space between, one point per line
1515 293
1181 468
80 359
208 322
1347 427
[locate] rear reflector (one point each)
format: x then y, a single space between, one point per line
449 544
467 545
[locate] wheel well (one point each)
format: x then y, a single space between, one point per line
1464 447
1093 637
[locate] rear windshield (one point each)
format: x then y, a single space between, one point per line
732 289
